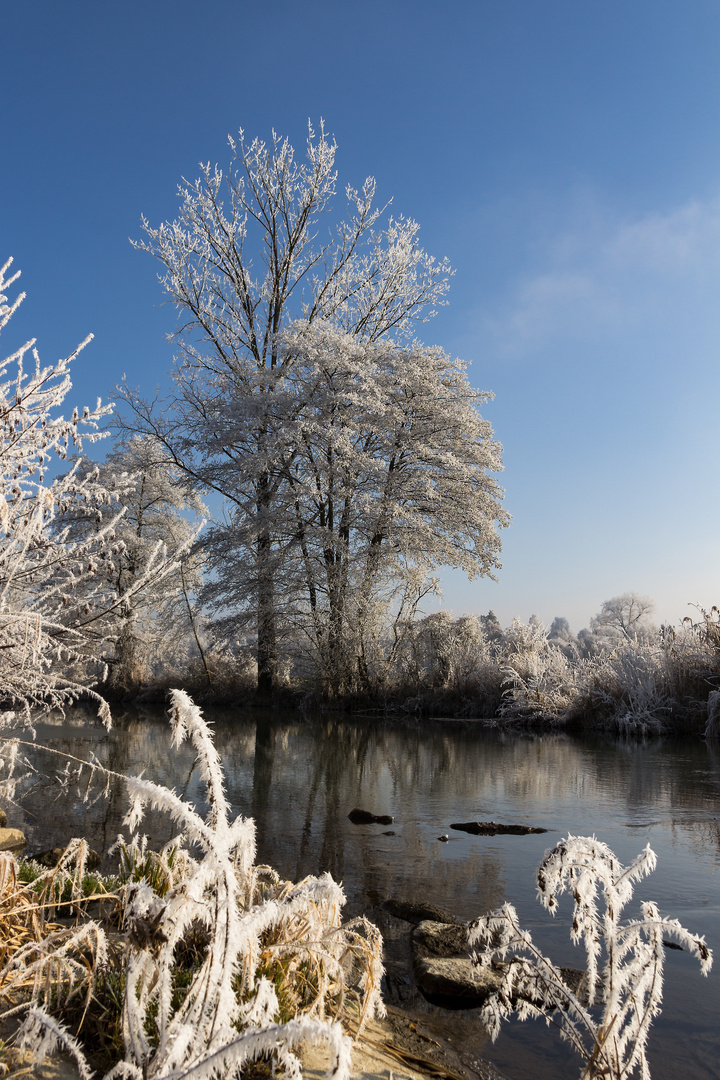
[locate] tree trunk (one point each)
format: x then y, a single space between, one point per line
266 641
127 670
266 633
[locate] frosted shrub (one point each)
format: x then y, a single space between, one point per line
629 685
644 687
525 640
250 924
451 654
609 1025
539 678
547 685
712 728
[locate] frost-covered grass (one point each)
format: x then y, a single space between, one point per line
220 962
608 1024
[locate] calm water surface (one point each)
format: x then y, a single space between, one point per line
299 780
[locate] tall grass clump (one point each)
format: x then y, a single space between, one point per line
609 1022
222 962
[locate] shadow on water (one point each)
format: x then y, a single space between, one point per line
299 780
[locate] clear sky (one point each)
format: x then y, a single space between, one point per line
564 155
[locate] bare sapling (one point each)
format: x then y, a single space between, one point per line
607 1019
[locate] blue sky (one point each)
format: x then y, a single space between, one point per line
565 156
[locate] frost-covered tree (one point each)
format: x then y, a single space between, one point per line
41 615
559 630
391 477
243 261
51 590
159 512
491 626
623 617
562 637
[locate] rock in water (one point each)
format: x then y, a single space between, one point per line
445 973
414 911
364 817
443 969
493 828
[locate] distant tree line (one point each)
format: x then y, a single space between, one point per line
622 673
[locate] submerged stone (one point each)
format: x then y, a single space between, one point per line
415 911
494 828
364 817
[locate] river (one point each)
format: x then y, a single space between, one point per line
299 779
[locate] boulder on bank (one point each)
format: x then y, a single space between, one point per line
447 976
493 828
12 840
443 969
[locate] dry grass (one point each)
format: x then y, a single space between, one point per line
220 962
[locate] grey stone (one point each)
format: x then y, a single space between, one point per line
432 938
455 982
443 969
447 976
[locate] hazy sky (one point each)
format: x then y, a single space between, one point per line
565 156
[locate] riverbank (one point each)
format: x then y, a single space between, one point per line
401 1046
414 1040
658 680
598 709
